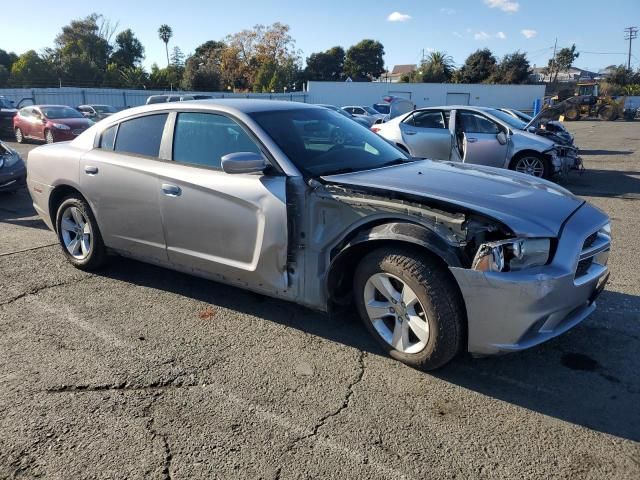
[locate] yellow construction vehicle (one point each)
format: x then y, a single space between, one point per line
587 102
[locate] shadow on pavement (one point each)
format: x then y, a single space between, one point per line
570 378
606 152
605 183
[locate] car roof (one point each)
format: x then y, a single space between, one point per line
230 105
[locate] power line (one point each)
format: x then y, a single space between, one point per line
630 33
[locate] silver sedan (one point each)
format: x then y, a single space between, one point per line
300 203
478 135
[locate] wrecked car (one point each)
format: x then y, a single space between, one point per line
478 135
438 257
13 173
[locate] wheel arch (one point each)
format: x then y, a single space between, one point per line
58 195
367 238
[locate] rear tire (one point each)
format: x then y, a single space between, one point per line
79 235
19 135
422 300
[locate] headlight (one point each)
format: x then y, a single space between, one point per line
512 255
61 126
9 160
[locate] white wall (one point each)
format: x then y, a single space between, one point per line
520 97
73 97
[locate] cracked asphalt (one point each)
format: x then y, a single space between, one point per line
140 372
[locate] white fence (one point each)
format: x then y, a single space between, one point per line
520 97
73 97
334 93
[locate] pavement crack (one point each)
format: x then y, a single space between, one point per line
35 291
344 405
6 254
123 386
166 446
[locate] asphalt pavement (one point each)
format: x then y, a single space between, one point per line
141 372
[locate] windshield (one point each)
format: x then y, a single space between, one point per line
104 109
321 142
371 111
508 119
4 103
382 108
60 112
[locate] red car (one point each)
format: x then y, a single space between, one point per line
49 123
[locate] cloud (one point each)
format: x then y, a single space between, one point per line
447 11
504 5
528 33
486 36
398 17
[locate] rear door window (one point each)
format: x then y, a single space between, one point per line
108 138
141 136
427 120
204 138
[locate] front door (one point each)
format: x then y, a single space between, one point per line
427 135
232 227
477 137
120 180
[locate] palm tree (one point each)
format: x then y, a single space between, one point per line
165 33
438 67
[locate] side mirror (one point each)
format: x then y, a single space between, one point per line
243 162
502 138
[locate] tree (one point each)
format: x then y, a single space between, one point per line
328 65
4 76
438 67
263 78
562 62
129 50
7 59
134 77
87 39
165 78
364 61
203 69
513 69
478 67
165 33
620 75
177 57
31 70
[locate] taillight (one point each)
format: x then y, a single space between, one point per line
375 129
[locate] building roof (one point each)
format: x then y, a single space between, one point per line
402 69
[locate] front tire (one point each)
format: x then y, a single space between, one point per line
532 164
79 235
411 305
48 136
19 135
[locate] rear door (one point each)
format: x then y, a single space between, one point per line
427 135
477 135
120 180
228 226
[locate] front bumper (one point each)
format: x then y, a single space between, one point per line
513 311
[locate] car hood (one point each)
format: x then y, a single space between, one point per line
527 205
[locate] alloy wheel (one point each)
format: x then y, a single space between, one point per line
19 137
76 233
48 136
531 166
396 313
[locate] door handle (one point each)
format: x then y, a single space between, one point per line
171 190
90 170
410 132
472 140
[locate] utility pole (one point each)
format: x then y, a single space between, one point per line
630 33
553 64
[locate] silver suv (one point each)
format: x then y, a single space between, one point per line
478 135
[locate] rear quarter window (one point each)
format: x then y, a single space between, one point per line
141 136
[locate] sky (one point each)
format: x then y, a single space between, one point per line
404 27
